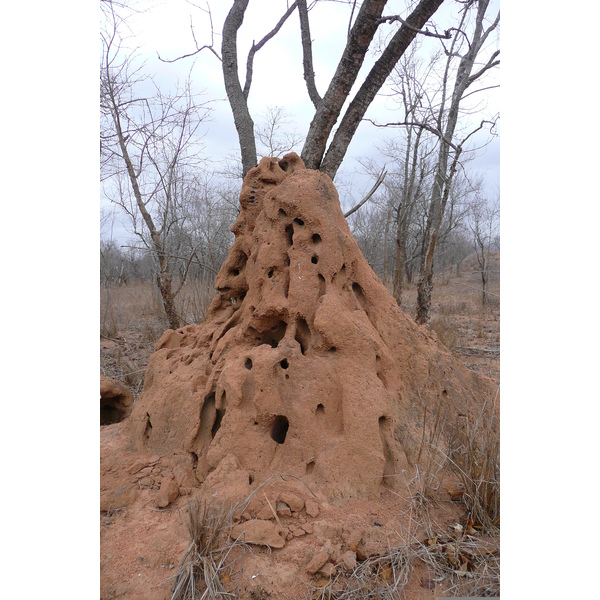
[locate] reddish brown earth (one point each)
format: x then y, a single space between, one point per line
304 367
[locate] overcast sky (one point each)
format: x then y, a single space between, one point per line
164 28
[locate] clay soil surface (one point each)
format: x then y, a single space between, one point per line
419 544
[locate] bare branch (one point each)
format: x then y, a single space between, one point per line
425 126
205 47
309 74
489 65
397 18
256 47
369 194
198 49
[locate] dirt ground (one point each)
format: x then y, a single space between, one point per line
419 544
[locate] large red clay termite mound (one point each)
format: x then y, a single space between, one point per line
304 365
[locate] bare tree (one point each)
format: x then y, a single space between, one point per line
149 144
446 128
272 134
483 224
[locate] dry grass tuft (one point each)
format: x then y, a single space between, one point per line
199 574
461 565
382 576
446 330
432 456
476 460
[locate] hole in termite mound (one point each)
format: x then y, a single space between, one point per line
322 285
310 467
217 424
284 363
315 259
320 411
289 232
148 427
270 273
286 283
283 165
358 292
299 222
279 429
282 213
303 335
316 239
248 363
274 335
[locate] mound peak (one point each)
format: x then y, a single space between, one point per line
304 365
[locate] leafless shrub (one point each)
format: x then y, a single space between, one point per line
151 331
134 373
194 300
446 330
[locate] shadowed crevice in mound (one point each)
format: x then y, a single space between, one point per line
305 364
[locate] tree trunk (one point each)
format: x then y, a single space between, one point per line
239 106
400 264
484 275
329 108
165 285
373 83
164 277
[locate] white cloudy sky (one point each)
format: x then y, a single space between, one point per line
164 27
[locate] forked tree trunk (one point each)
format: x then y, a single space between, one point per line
373 83
328 108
